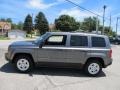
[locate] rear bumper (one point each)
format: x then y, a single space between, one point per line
110 63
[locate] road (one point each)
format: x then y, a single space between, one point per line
58 79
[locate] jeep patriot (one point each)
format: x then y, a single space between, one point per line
90 52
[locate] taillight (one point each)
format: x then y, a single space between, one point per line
110 53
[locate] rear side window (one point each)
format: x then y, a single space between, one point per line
79 41
98 42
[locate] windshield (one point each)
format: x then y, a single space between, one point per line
40 38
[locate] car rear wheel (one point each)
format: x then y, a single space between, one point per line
23 63
93 68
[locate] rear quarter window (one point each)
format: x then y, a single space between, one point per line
98 42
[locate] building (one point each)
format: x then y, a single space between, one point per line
52 27
16 34
4 27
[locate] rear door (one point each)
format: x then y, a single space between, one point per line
78 48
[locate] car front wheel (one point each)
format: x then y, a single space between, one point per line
23 63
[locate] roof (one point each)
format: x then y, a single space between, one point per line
76 33
5 25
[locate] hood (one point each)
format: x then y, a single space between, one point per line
23 43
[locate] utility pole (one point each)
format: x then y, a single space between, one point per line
32 20
110 23
117 24
104 7
97 24
32 26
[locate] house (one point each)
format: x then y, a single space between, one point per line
16 34
4 27
52 27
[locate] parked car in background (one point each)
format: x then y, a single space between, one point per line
90 52
115 40
112 39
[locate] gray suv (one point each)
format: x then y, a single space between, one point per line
89 52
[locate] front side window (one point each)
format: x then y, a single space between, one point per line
98 42
56 40
79 41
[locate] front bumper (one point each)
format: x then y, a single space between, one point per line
7 57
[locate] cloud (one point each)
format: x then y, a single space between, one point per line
39 4
77 13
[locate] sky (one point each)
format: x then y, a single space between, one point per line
18 9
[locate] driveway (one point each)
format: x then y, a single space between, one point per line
59 79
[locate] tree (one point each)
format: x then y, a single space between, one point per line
108 31
13 26
2 19
9 20
20 25
28 26
66 23
6 20
89 24
41 23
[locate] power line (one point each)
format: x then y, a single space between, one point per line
82 7
85 9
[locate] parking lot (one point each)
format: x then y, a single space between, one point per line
58 79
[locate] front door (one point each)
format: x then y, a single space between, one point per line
53 51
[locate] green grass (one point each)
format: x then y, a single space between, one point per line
4 38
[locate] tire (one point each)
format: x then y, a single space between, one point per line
23 63
93 68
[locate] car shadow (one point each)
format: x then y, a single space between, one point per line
9 68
